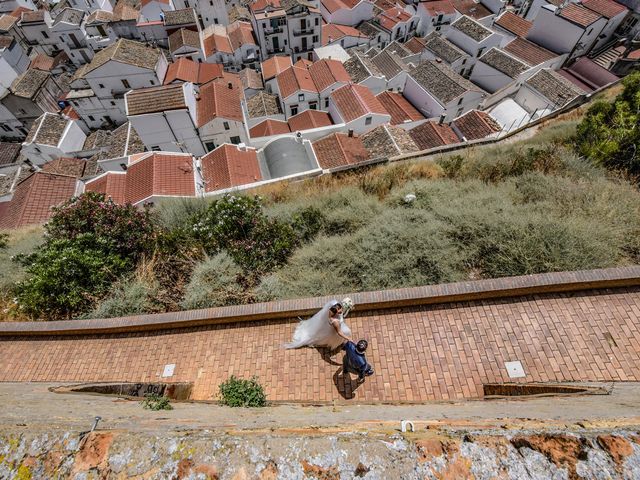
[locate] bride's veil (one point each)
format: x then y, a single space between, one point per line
314 330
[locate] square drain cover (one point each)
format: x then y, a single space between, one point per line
514 369
168 370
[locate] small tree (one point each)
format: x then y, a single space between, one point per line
240 392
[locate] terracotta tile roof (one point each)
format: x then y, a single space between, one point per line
275 65
240 33
33 198
155 99
335 5
303 63
389 64
184 37
399 108
251 79
231 78
333 32
588 73
5 41
269 127
32 17
6 22
504 63
128 52
514 24
216 42
29 83
442 48
415 44
295 79
72 167
326 73
391 17
263 105
606 8
529 52
185 16
388 141
186 70
17 12
309 119
125 11
437 7
112 185
431 135
471 28
71 16
553 86
339 150
70 113
160 174
230 166
579 15
634 55
260 5
238 12
441 81
471 8
9 153
355 101
98 17
47 129
218 101
42 62
476 124
370 29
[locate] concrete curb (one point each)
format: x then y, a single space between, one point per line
545 283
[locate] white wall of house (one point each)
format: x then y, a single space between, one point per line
324 95
171 131
458 65
375 84
39 36
153 10
534 8
469 45
352 17
10 126
488 77
431 108
428 23
91 5
216 132
100 36
73 138
496 6
359 125
608 30
79 52
72 141
532 101
312 33
301 99
397 83
13 62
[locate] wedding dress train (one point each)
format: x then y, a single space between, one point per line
318 332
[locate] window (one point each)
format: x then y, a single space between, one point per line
155 148
215 21
186 4
589 32
464 60
23 131
91 118
315 39
44 34
113 103
459 112
211 2
438 29
317 21
101 30
225 125
264 25
107 118
313 105
440 18
326 103
125 83
210 146
367 121
6 128
301 97
152 82
460 101
480 50
101 85
235 140
294 109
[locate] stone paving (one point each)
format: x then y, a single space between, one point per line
424 353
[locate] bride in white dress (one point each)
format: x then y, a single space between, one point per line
325 329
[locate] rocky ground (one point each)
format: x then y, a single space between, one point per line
45 435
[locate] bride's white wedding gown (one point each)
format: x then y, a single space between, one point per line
318 332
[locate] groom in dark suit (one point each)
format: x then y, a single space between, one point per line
355 361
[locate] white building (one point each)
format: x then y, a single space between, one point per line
613 12
69 30
547 91
363 72
435 16
497 69
36 29
52 136
436 47
473 38
357 108
346 12
13 62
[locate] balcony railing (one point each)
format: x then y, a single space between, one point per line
306 31
273 31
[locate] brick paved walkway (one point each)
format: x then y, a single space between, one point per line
436 352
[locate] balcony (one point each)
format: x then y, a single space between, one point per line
303 50
272 51
306 31
119 93
273 31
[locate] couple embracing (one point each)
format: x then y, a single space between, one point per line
328 329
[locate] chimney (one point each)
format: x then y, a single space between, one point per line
350 133
441 121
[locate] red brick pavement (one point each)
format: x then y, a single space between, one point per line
436 352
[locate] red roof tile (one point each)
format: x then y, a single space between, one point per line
160 174
335 5
17 13
185 70
391 17
355 101
42 62
269 127
333 32
399 108
275 65
338 150
415 44
215 42
240 33
514 24
431 134
218 100
438 7
606 8
229 166
112 185
475 124
33 198
231 78
326 73
309 119
528 52
579 15
295 79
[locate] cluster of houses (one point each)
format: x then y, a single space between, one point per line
147 99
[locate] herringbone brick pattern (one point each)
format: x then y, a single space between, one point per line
438 352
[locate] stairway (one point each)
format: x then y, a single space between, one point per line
607 58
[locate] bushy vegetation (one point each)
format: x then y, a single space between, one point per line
156 402
609 134
241 392
521 207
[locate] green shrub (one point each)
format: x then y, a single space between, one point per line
238 225
132 296
19 242
156 402
239 392
4 240
214 283
308 223
609 133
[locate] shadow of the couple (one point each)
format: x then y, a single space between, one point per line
345 385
